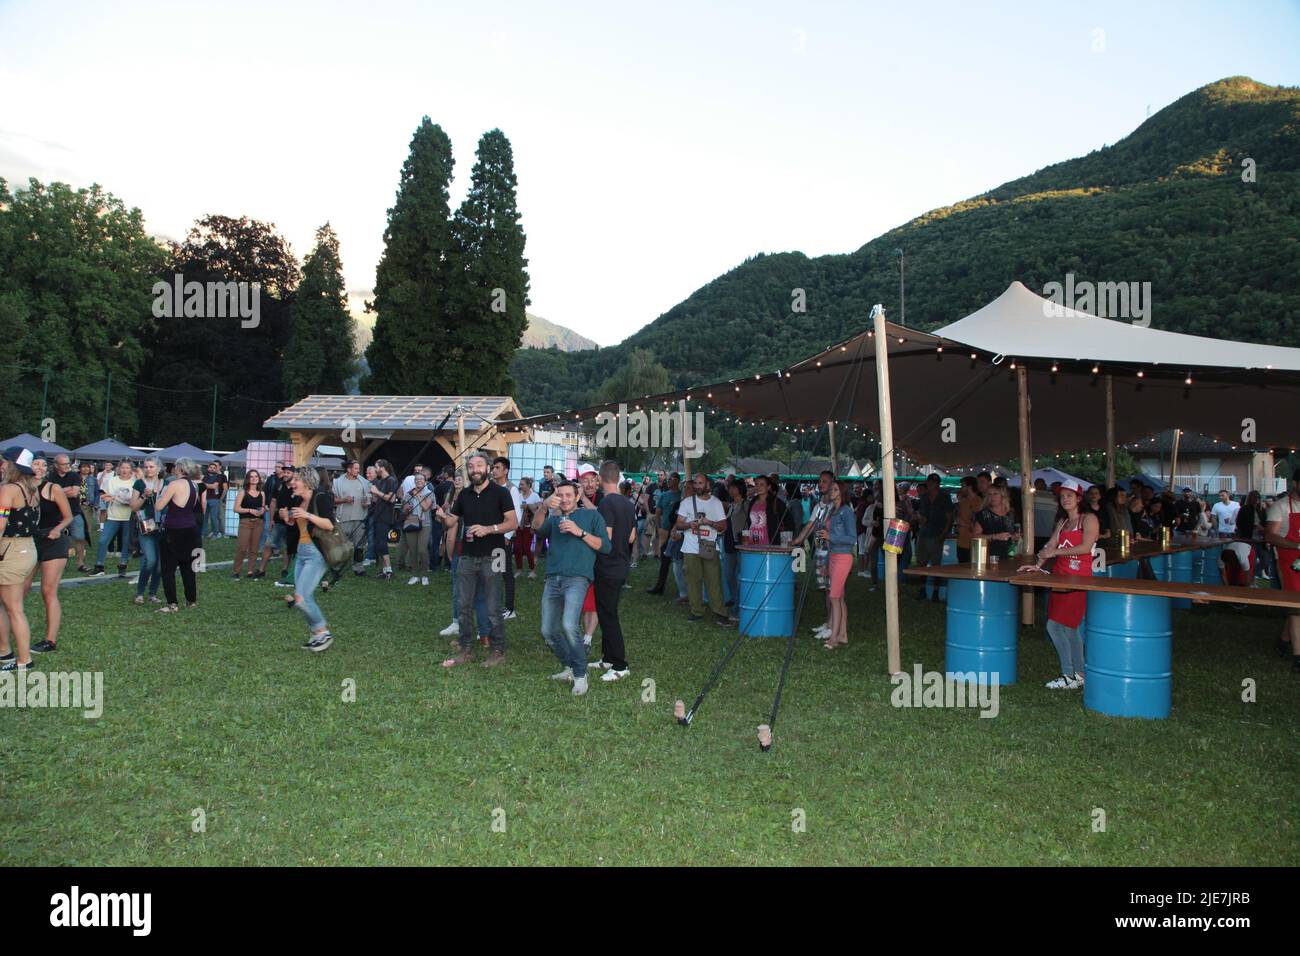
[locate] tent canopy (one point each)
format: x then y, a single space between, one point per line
174 453
107 449
955 399
1049 476
35 445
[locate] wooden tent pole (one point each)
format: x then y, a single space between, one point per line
460 445
681 433
1026 488
887 486
1110 432
1173 462
835 458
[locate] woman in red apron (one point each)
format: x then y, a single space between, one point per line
1282 531
1071 545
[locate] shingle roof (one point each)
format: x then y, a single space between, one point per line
393 412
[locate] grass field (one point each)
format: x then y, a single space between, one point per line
218 709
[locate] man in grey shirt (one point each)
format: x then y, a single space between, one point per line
351 498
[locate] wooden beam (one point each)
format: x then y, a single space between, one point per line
1026 486
1173 462
681 433
895 663
835 458
304 446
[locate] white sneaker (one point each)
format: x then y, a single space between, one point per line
509 616
532 575
566 674
612 675
822 633
579 686
424 582
822 627
517 573
865 574
414 580
1064 683
451 630
599 665
1078 680
586 641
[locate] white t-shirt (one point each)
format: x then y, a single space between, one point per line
1226 515
519 506
358 488
120 490
1281 512
1242 550
710 510
408 485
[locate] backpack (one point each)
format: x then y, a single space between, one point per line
334 548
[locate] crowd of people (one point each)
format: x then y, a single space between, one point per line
586 535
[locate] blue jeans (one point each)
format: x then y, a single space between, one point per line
730 577
480 603
308 569
562 619
111 527
150 565
679 575
212 518
435 544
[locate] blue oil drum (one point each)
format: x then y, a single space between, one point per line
1128 655
766 594
1160 566
1210 565
1126 570
1182 568
983 623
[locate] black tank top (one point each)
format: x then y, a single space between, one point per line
23 521
251 501
50 513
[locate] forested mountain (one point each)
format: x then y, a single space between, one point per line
1202 200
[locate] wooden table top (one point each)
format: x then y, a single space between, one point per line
1219 593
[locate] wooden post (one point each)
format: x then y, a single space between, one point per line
681 434
1173 462
1026 488
887 486
1110 432
460 445
835 458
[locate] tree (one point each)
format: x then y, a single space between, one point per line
408 354
642 375
76 269
240 358
489 293
320 356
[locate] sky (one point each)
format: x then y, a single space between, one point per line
657 145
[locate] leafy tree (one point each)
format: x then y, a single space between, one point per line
242 360
413 338
76 269
320 355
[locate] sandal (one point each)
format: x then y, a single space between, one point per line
139 599
168 609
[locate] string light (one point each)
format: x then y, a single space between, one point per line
1054 368
1096 369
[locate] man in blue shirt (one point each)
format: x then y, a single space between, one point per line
575 535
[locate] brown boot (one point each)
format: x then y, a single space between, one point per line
495 658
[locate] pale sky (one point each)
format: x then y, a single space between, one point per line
657 145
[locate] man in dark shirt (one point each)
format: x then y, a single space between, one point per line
1187 511
285 500
481 516
934 516
214 483
547 486
611 571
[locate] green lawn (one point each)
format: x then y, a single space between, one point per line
219 709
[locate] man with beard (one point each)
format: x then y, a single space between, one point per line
481 515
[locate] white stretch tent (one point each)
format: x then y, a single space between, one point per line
1049 475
